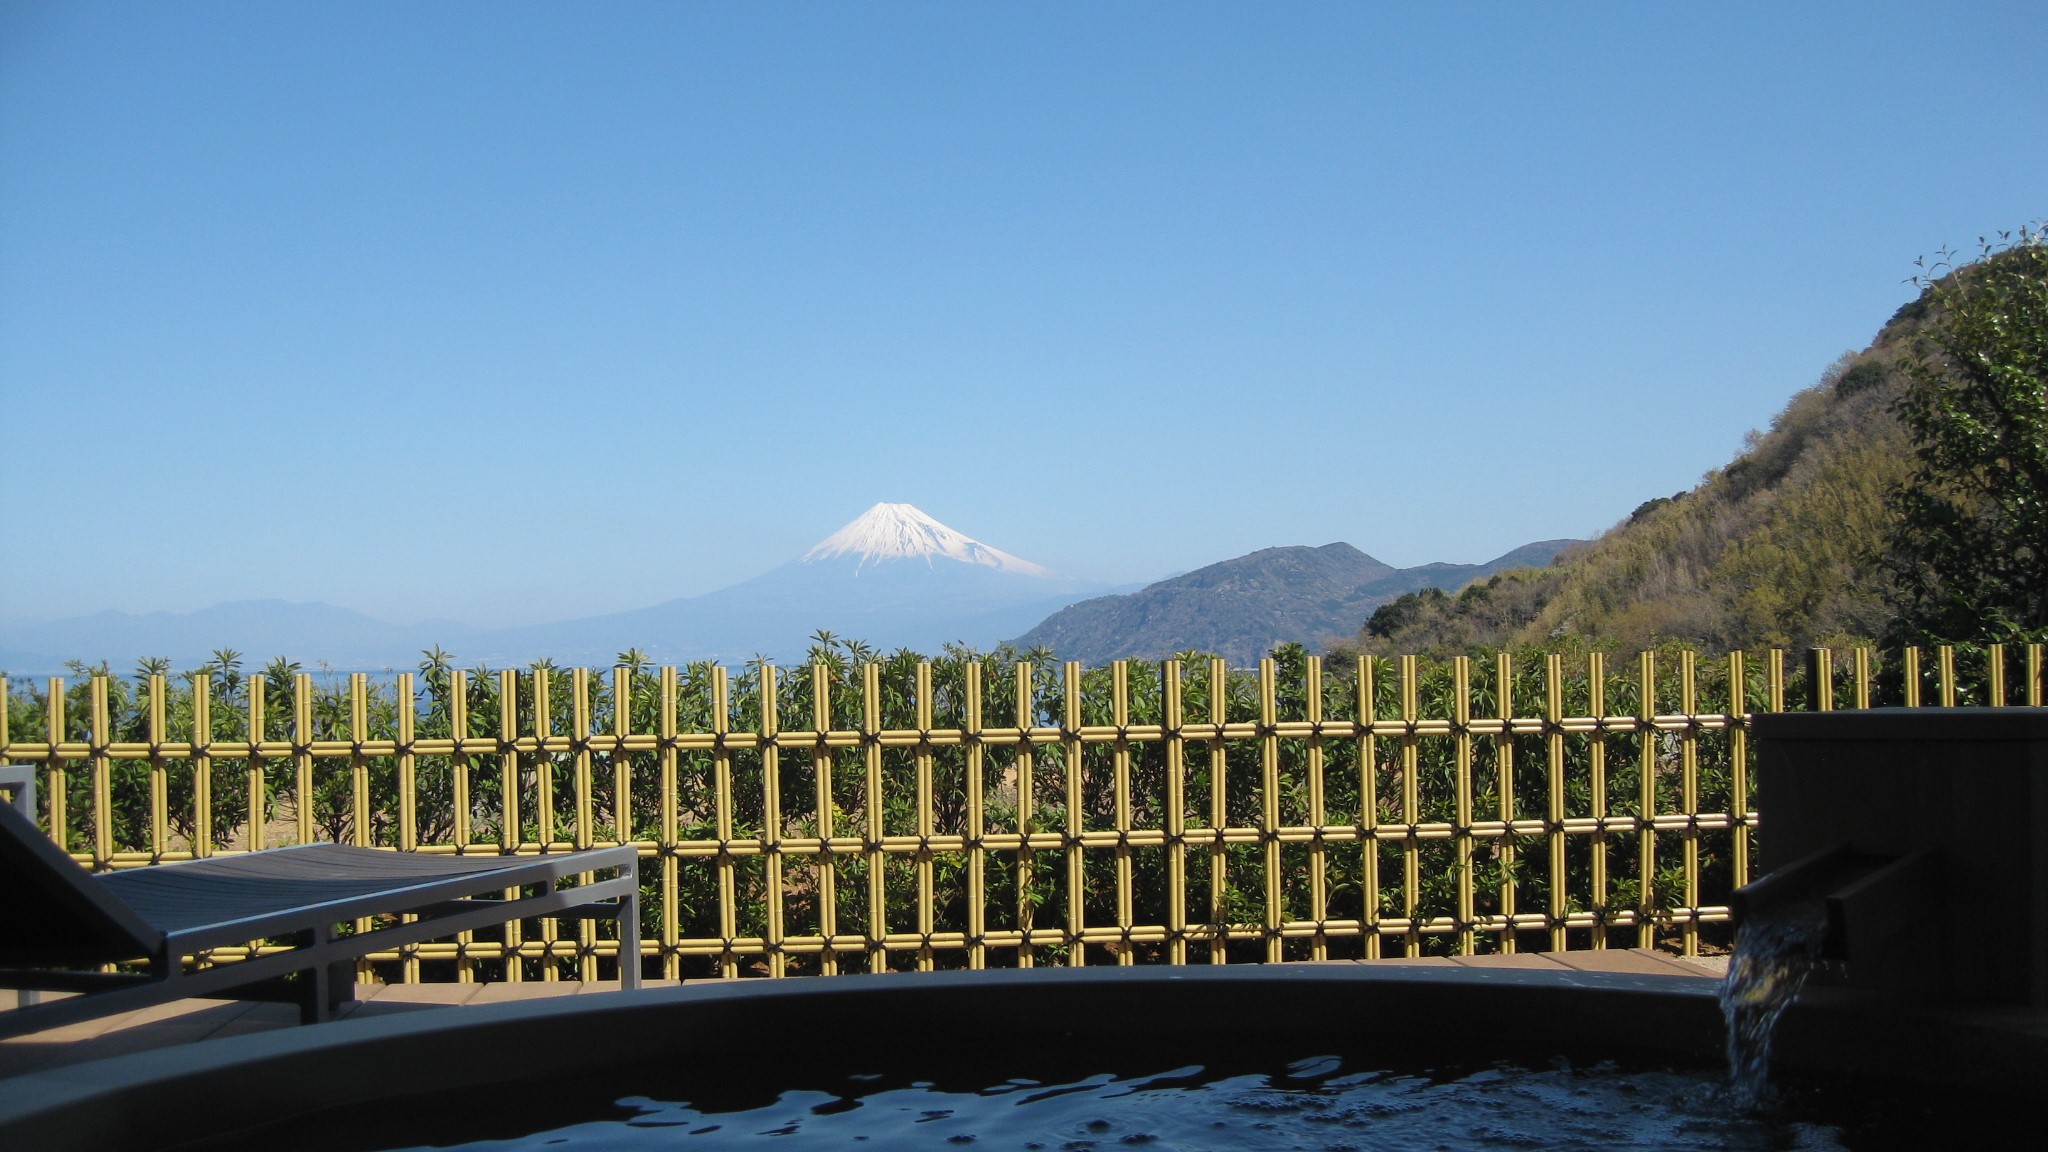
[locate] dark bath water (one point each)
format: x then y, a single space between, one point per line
1319 1104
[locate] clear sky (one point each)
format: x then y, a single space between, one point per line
509 312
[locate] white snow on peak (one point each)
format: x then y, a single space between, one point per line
902 531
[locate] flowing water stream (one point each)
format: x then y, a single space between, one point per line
1772 960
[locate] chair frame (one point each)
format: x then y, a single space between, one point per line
322 960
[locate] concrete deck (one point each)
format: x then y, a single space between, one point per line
197 1021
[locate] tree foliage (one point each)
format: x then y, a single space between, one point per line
1969 552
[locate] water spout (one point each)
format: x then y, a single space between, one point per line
1772 960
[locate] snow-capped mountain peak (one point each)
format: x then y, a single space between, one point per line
904 532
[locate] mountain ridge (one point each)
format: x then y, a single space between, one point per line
1244 607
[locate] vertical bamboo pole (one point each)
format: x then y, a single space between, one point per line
771 821
1738 762
1689 785
1945 672
1461 819
1318 814
1120 787
721 791
1862 676
544 802
1556 908
878 891
408 805
202 761
1596 755
2034 676
622 761
359 787
828 867
1820 680
1077 876
1269 808
1176 815
408 769
358 764
159 772
977 861
1912 675
1504 764
460 784
102 780
510 832
1368 806
302 756
259 800
1646 803
671 914
1411 806
926 829
1026 802
1219 815
544 759
586 816
57 788
1994 655
622 788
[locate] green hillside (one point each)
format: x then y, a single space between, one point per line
1784 546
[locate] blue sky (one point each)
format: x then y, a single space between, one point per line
512 312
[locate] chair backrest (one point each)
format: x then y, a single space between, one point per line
52 912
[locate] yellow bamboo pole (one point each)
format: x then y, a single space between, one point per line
1027 903
159 773
771 821
1596 756
1120 787
922 758
1077 879
1411 805
877 860
408 804
1689 786
256 788
827 873
544 805
1176 814
671 834
1504 764
1646 809
1738 764
102 780
1318 815
58 788
1461 820
202 762
1556 906
510 830
977 860
1219 815
1269 808
460 784
721 790
1368 806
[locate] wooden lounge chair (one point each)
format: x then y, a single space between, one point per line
59 923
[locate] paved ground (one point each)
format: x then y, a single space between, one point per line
196 1021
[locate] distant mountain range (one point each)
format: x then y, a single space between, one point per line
893 578
1241 609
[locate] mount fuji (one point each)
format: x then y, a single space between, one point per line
894 577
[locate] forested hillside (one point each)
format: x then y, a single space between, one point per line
1244 607
1784 546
